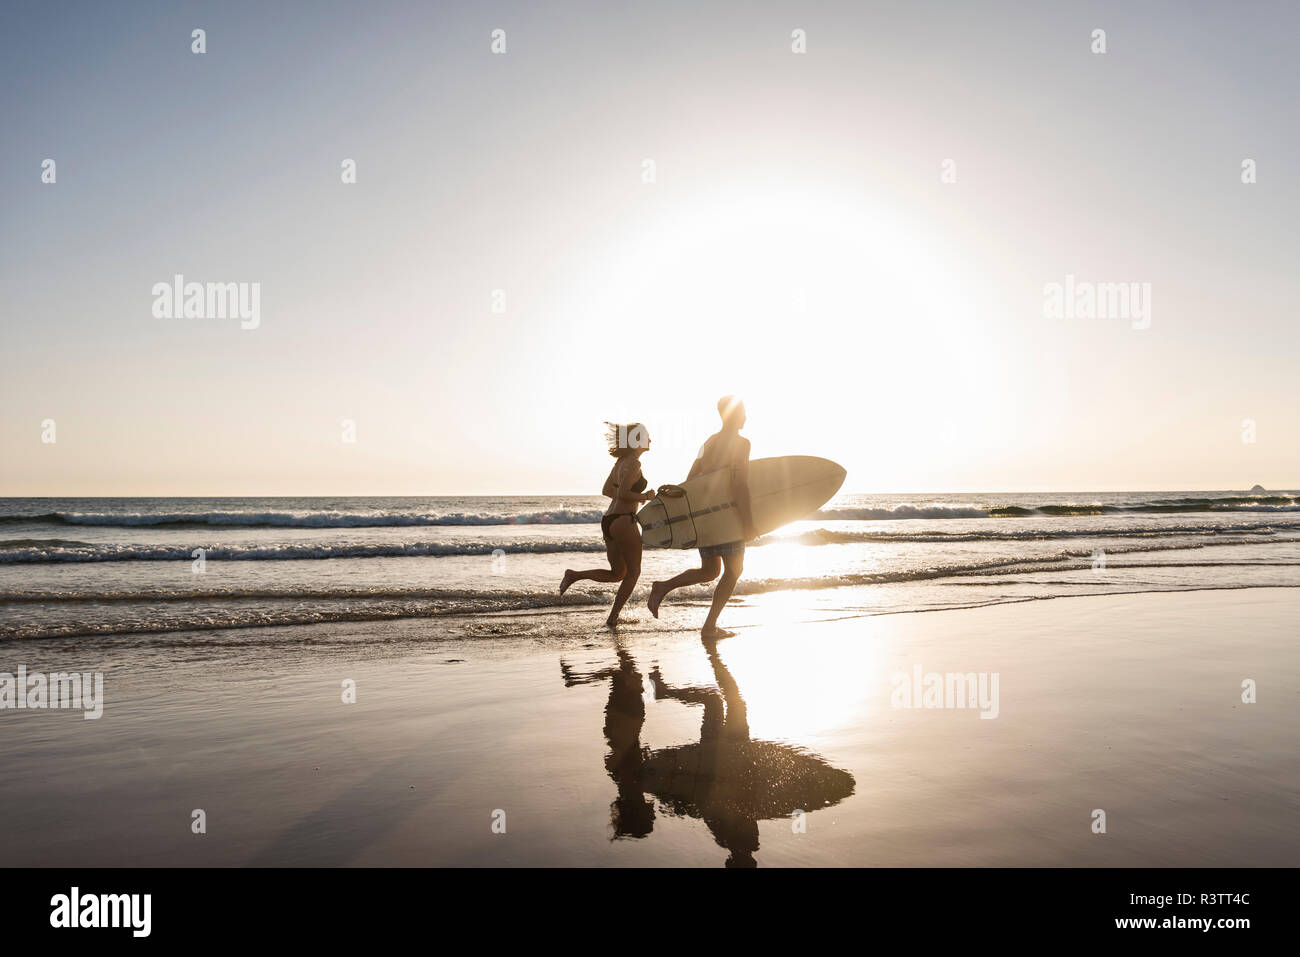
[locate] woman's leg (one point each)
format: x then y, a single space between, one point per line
627 536
708 570
612 574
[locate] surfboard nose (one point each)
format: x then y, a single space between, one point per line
837 473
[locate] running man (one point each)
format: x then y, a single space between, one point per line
726 449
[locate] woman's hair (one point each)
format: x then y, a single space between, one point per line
624 439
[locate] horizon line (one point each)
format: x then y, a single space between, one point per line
588 494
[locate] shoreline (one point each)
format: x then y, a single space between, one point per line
693 597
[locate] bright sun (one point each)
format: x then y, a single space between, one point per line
823 313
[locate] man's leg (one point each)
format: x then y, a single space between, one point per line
732 566
708 570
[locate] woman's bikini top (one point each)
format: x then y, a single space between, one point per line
637 487
608 519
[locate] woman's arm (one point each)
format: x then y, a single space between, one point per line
623 490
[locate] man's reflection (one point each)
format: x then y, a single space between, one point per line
725 779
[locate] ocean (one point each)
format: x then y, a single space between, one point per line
115 571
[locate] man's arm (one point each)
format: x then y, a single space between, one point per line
697 468
740 488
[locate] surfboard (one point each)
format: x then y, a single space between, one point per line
742 778
701 512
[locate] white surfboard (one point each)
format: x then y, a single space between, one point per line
701 512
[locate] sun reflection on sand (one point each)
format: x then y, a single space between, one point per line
798 685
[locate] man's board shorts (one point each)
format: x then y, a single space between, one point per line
722 551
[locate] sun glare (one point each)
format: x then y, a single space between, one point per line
812 308
796 688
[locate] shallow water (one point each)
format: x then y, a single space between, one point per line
104 567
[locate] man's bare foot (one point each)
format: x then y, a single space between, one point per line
714 633
567 580
615 622
657 593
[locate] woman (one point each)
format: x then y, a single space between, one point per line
626 489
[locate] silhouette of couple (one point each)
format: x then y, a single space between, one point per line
626 489
727 779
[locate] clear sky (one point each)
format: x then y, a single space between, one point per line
797 245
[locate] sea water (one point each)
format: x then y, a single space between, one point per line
103 569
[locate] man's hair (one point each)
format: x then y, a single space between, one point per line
727 406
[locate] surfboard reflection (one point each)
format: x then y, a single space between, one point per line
726 779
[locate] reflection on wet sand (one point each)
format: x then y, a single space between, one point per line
631 814
725 779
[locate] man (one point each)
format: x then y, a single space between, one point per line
726 449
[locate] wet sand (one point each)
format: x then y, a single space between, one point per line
546 742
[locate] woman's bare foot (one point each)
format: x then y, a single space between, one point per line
657 593
567 580
714 633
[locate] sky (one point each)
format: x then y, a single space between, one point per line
631 211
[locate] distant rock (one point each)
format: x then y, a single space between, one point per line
1257 488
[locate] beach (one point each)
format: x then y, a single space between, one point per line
542 740
850 439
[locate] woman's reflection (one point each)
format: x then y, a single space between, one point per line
631 814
